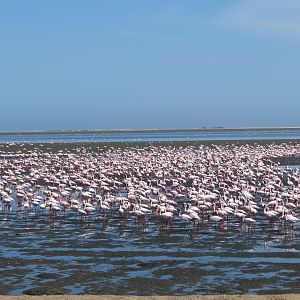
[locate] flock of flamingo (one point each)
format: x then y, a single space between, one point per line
192 184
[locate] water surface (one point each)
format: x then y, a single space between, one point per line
158 136
109 255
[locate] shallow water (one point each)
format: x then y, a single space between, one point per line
108 255
43 254
151 136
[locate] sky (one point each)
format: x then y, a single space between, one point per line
166 64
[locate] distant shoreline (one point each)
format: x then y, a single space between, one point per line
203 129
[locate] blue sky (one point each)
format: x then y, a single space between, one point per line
70 64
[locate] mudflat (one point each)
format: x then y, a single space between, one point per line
110 297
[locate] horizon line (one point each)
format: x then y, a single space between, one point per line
204 128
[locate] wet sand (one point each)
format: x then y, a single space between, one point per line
102 146
109 297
